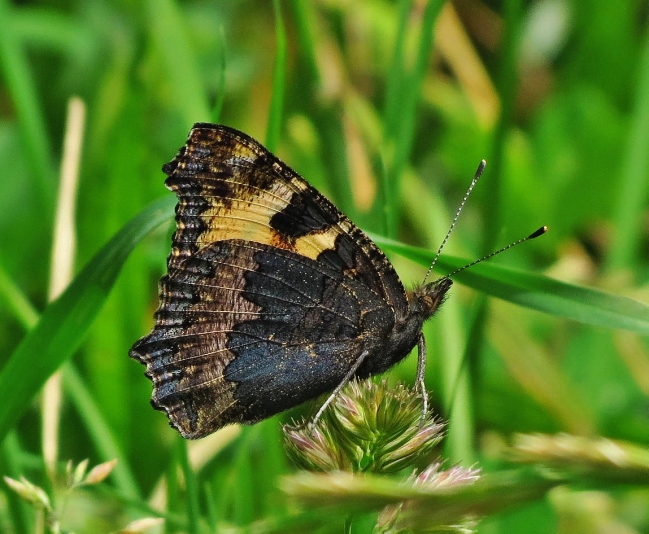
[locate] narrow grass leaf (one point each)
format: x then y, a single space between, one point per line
220 89
16 300
64 322
20 85
306 34
18 513
169 33
191 488
104 441
279 81
53 31
402 134
356 493
395 79
632 183
507 87
538 292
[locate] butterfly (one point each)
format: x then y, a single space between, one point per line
272 296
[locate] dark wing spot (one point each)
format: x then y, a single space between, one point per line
303 216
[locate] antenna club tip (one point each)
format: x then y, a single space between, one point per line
476 176
538 232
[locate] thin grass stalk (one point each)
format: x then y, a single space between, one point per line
403 134
64 323
507 87
16 301
242 479
305 33
191 488
220 89
61 267
210 503
80 397
634 177
20 514
396 83
507 83
276 108
171 503
20 84
169 32
273 468
104 440
396 72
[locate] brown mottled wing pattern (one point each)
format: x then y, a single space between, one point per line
271 293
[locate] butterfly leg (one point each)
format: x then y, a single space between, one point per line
350 374
421 372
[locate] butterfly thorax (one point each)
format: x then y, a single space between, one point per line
390 346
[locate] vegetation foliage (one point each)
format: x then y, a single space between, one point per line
387 107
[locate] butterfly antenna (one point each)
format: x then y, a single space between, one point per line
533 235
476 177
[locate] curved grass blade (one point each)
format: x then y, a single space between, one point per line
169 34
80 397
279 81
64 323
538 292
344 493
427 505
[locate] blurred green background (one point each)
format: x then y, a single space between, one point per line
386 107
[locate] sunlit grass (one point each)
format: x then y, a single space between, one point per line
353 96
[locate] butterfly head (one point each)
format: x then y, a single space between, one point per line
429 297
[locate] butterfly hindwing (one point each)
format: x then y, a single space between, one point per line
244 331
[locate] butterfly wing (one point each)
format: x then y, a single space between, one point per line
230 187
271 293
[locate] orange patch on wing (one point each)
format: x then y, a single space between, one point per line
249 218
313 244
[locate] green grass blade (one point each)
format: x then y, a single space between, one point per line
220 89
97 426
355 493
19 513
538 292
507 86
168 30
15 299
191 487
104 440
51 30
306 35
21 87
212 513
65 321
279 81
395 78
403 135
633 176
